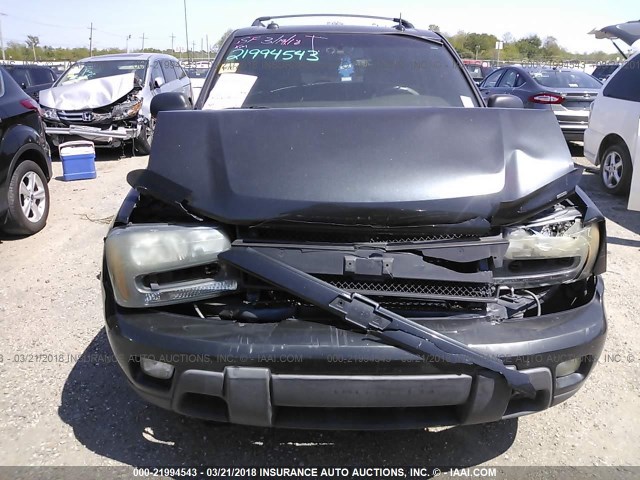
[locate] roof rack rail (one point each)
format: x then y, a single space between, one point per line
402 23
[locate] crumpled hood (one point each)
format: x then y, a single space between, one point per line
380 167
86 94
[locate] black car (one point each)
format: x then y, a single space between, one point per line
478 69
341 235
603 72
25 161
32 78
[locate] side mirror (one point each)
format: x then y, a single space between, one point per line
169 101
158 82
504 101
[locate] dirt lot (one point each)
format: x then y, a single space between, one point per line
76 409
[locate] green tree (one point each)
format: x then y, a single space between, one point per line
218 45
434 28
32 41
529 46
483 44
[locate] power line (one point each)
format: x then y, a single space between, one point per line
41 23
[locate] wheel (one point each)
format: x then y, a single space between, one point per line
142 143
616 169
28 200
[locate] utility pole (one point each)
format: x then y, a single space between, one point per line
91 40
193 48
143 37
208 49
1 37
33 48
186 29
128 37
172 37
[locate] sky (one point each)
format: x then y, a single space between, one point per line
65 23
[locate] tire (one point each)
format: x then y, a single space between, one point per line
616 169
142 143
28 198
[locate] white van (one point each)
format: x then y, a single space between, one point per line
106 98
611 140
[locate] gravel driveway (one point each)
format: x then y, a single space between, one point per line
64 401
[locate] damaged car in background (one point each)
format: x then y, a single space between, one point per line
312 245
106 99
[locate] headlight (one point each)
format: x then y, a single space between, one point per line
127 109
159 264
550 250
50 114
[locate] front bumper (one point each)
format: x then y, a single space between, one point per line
573 124
310 375
95 134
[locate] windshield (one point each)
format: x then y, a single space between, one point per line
565 79
90 70
333 70
41 75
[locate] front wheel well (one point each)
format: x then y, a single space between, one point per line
611 139
36 157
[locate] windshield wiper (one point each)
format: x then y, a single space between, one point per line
362 312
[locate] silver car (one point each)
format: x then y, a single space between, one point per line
568 93
106 98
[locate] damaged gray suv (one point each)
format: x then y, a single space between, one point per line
342 235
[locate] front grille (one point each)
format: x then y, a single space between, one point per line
99 116
480 292
324 236
71 117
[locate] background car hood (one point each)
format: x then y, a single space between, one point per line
378 167
86 94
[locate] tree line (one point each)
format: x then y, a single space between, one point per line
468 45
530 48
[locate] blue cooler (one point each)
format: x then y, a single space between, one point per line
78 160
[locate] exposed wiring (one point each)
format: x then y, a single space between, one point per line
535 297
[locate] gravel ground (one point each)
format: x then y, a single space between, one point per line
76 409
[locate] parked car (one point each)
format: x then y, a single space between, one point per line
568 93
197 76
25 161
106 98
612 137
478 69
340 235
32 78
603 72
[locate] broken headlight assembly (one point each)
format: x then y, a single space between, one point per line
552 248
160 264
50 114
127 109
